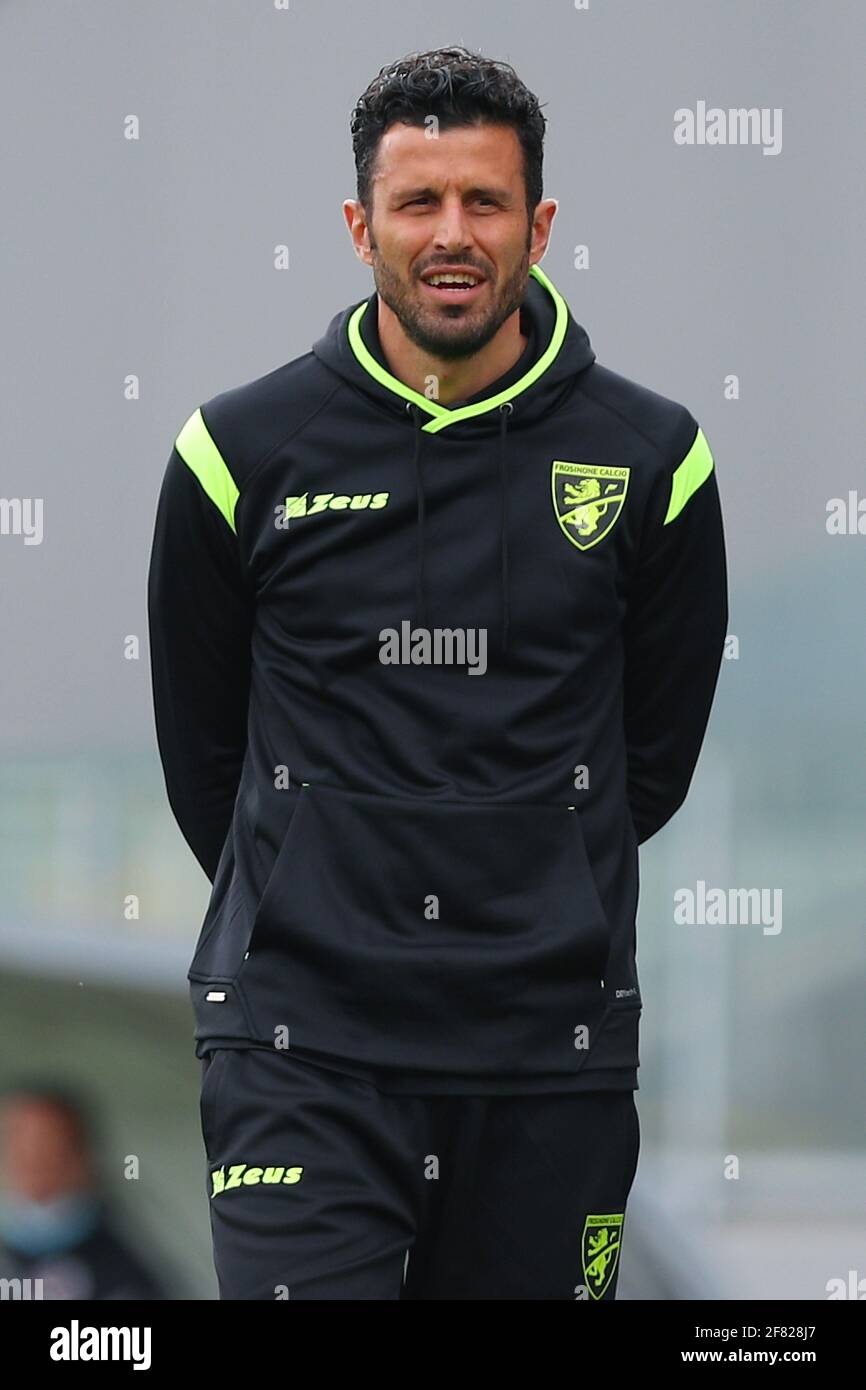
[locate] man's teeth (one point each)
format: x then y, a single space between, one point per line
451 280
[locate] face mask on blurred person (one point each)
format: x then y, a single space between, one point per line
39 1228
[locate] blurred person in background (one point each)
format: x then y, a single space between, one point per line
55 1224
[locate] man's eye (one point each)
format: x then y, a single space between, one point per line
490 202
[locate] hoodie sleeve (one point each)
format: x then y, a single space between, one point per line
200 623
674 633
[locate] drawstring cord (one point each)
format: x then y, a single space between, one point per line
420 609
505 411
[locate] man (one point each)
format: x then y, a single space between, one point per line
58 1238
437 613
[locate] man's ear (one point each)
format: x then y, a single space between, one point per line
542 223
356 221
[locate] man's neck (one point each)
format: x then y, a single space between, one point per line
456 379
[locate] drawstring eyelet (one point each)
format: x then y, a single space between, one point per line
506 405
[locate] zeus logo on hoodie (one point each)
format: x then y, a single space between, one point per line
333 502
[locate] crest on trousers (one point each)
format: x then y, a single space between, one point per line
587 499
600 1251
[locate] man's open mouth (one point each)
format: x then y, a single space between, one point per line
452 284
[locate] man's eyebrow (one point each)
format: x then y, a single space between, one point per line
503 195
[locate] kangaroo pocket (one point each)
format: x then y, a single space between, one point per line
426 934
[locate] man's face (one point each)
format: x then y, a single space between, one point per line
40 1155
458 200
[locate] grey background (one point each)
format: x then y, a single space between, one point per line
155 257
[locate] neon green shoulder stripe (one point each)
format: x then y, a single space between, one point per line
201 455
695 468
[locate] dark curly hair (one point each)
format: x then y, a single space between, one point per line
459 88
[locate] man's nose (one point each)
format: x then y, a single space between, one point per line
451 230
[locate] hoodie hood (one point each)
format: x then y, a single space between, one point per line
558 349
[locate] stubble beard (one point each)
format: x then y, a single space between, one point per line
448 338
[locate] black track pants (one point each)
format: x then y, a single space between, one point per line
319 1184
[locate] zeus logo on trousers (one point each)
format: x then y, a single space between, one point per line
242 1175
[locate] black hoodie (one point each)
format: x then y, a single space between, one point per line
424 872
